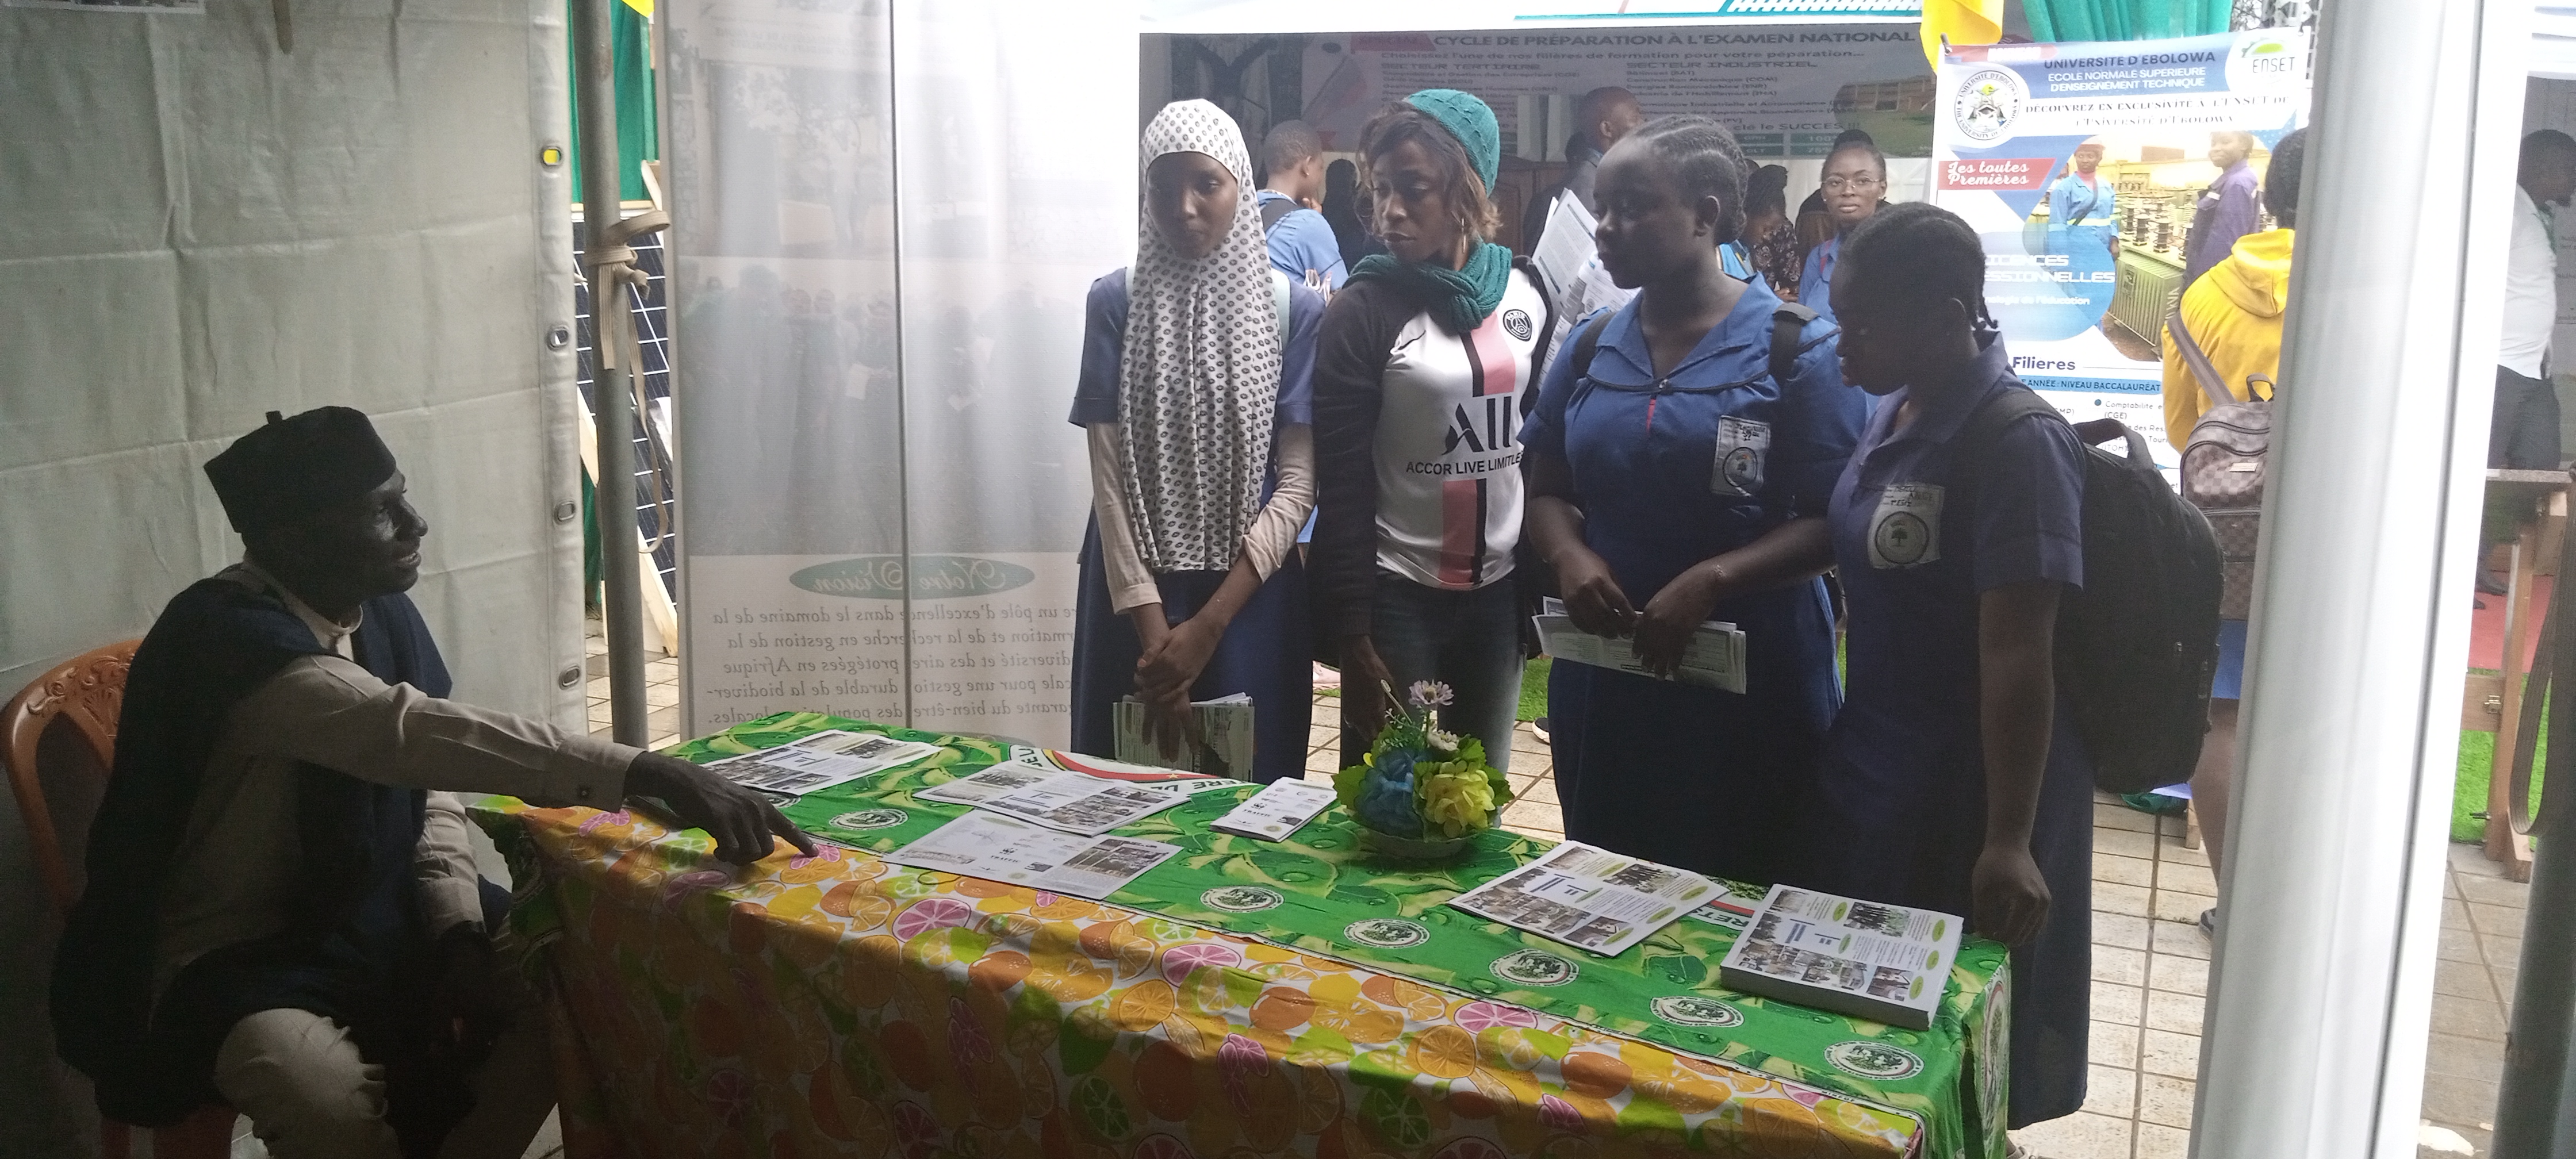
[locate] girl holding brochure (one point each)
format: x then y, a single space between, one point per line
1194 391
1952 781
1421 373
1674 479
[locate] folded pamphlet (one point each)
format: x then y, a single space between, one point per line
1866 959
1013 851
1224 747
1713 658
1588 897
1277 811
1061 799
818 761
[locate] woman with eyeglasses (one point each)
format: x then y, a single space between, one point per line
1854 188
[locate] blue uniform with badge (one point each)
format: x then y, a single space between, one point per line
1899 813
1669 472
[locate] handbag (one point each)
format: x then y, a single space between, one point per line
2223 467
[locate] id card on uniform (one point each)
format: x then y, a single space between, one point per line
1742 446
1906 530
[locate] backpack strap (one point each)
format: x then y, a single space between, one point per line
1788 323
1279 302
1272 211
1586 342
2211 386
1977 437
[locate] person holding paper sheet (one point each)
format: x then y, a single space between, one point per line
1423 369
1195 370
1953 781
1674 479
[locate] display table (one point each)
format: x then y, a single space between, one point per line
840 1004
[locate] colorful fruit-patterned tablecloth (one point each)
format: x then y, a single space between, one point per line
1243 998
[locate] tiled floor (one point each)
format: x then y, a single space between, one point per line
2150 963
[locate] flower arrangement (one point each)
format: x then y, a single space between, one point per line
1427 789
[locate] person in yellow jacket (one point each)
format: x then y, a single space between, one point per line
2234 313
2234 310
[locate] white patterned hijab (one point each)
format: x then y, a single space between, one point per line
1198 382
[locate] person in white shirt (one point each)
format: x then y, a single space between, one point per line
2525 431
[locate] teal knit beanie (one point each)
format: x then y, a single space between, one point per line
1469 120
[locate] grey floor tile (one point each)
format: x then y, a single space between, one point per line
2079 1136
2165 1100
2459 1056
2110 1090
2119 967
2178 974
2469 1017
2164 1052
2122 930
2118 870
2448 1099
2122 817
2179 939
2111 1042
2494 891
2113 1002
2180 1013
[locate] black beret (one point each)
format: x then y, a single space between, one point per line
295 467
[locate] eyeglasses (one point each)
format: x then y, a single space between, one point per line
1851 184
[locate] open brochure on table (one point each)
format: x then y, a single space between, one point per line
1007 849
1866 959
1223 748
1150 776
819 761
1713 658
1588 897
1059 798
1278 810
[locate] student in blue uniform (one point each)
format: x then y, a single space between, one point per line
1194 392
1855 187
1676 480
1952 780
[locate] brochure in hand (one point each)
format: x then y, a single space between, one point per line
1010 850
1588 897
1714 657
1071 801
1862 958
1224 747
818 761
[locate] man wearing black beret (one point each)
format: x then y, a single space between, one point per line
282 911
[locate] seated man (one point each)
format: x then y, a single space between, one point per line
280 913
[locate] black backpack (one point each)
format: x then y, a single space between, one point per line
2137 644
1272 211
1787 323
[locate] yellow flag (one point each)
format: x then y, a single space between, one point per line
1963 21
646 8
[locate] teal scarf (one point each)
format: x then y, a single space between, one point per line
1459 300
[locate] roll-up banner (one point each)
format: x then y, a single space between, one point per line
2084 167
884 501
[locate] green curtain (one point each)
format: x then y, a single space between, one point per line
637 139
2071 20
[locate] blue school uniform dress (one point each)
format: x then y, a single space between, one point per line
1816 280
1670 471
1265 652
1900 808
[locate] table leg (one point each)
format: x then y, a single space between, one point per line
2503 844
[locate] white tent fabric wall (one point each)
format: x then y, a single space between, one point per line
195 228
884 500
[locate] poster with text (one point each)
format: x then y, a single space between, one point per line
2084 168
1786 90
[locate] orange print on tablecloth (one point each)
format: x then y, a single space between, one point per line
1144 1006
1444 1052
1282 1008
1121 944
998 970
871 971
859 901
1418 1002
1068 977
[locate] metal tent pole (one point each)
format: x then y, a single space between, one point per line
612 397
2321 990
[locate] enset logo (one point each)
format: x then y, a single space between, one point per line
929 577
1989 100
2265 60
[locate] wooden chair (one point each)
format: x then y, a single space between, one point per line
84 695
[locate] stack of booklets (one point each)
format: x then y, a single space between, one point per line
1866 959
1224 746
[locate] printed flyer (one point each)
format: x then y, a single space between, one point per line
2097 174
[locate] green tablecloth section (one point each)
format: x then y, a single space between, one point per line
1319 893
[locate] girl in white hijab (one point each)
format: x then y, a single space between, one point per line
1194 392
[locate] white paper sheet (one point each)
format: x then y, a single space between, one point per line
1225 737
1277 811
1006 849
1588 897
1571 266
819 761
